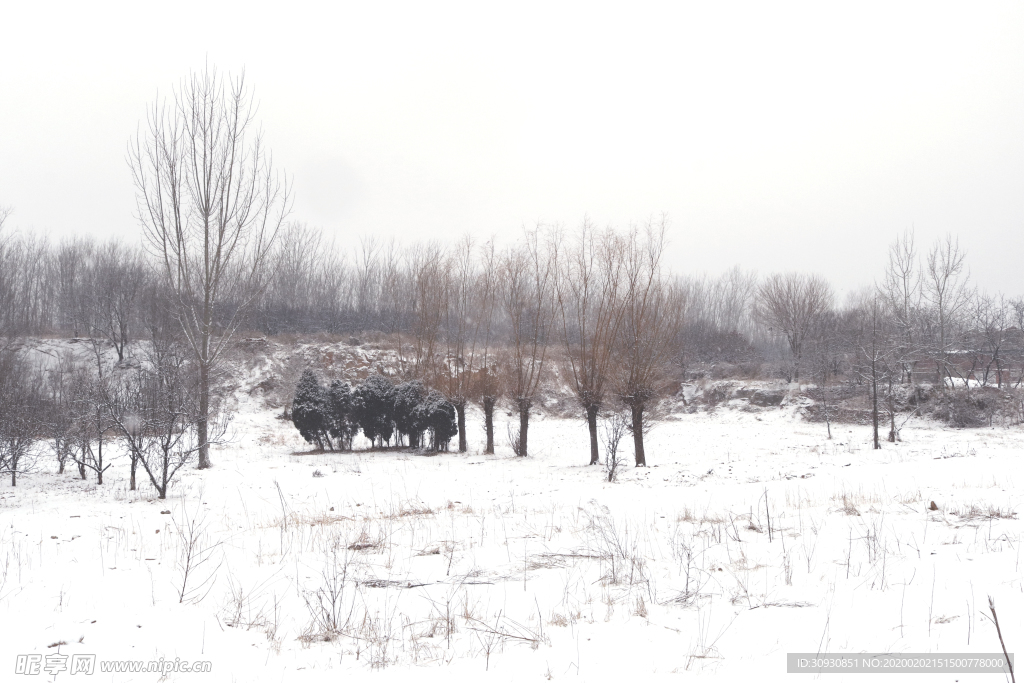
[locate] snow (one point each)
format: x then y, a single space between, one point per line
537 566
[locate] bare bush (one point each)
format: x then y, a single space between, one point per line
197 558
20 403
331 603
615 425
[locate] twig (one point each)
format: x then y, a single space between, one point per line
999 632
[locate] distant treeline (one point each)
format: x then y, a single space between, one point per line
482 321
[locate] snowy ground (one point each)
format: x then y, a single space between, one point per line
750 536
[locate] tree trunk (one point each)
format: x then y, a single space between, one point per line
638 434
874 405
524 426
99 457
592 426
204 411
135 464
489 423
460 412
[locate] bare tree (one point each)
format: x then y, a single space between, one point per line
7 275
154 411
946 288
990 332
396 302
428 270
367 283
19 414
789 304
461 329
60 413
825 337
123 402
25 288
615 426
74 297
487 381
901 291
590 306
1015 353
118 281
93 417
876 337
211 205
650 322
526 270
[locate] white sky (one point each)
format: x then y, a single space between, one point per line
775 135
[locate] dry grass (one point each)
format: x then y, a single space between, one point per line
314 519
978 512
412 510
848 507
691 516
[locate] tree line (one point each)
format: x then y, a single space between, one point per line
591 308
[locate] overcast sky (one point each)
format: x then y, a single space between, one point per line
777 136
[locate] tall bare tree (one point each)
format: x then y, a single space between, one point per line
650 322
211 205
527 301
461 330
428 270
901 292
487 380
590 310
947 289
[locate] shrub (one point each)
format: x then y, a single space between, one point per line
408 418
310 413
968 408
437 414
340 405
373 408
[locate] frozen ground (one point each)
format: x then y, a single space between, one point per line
750 536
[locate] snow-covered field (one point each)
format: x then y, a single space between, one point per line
750 536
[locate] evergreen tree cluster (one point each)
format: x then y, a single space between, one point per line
387 414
